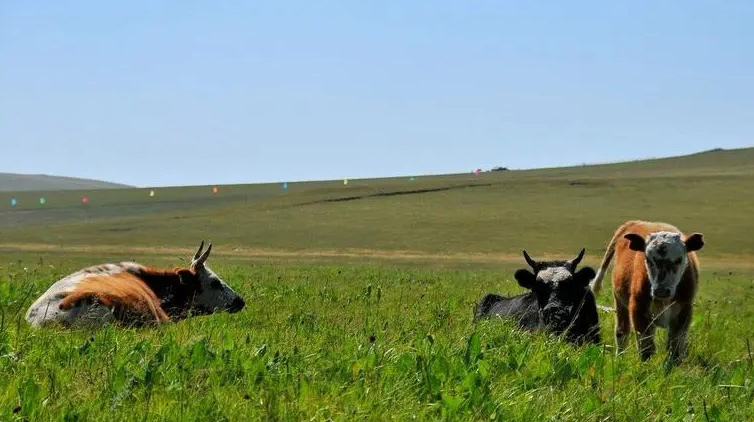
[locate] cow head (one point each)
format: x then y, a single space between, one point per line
211 292
566 305
666 258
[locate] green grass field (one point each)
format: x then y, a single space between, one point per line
359 299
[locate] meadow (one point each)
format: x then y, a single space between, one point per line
360 297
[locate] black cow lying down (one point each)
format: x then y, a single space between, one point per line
559 301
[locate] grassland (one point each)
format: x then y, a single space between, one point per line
360 296
555 211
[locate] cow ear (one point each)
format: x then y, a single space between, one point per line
585 275
525 279
694 242
635 242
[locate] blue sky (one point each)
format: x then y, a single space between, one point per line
150 92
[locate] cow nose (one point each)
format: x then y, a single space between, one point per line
661 292
237 305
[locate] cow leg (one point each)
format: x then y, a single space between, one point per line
678 330
644 327
646 341
622 326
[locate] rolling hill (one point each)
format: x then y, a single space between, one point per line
461 218
11 182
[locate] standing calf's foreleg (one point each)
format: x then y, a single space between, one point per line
678 331
645 329
646 341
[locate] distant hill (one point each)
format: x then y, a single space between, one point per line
11 182
711 162
550 211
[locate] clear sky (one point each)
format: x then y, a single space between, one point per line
150 92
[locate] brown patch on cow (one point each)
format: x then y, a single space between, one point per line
130 299
634 305
175 288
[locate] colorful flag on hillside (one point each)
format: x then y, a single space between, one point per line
151 192
285 185
85 200
13 202
42 201
215 190
345 182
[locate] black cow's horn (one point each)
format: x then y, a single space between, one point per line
575 262
202 259
530 261
198 252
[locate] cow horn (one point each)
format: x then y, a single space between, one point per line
530 261
202 259
198 252
575 262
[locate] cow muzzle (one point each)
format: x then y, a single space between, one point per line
661 293
236 305
556 320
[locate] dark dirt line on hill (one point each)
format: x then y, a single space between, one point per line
719 262
395 193
261 253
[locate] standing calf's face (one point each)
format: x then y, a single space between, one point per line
212 293
666 258
566 305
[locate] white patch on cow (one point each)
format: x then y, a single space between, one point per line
666 259
215 294
554 275
46 308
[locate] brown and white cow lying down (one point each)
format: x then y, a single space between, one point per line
655 281
130 293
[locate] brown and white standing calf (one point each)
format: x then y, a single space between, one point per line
130 293
655 281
